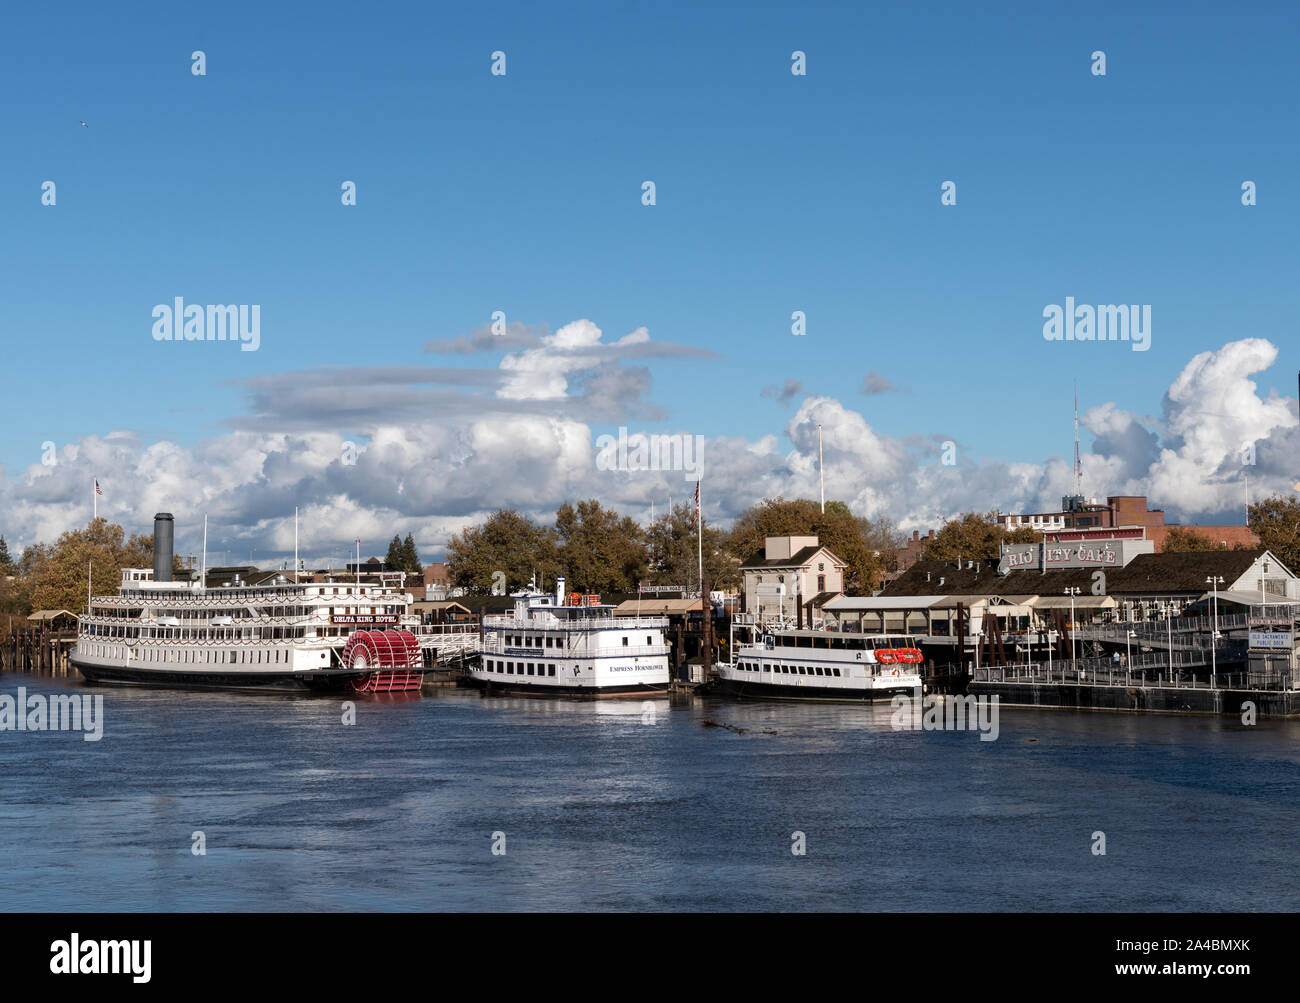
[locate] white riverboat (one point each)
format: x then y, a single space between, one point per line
558 645
319 635
824 665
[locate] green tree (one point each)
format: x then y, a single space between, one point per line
1276 521
507 548
600 550
411 556
6 562
864 547
673 551
975 537
394 559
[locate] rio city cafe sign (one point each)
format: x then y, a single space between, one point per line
1037 556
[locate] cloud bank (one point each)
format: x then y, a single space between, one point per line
370 452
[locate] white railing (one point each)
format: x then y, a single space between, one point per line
581 623
497 646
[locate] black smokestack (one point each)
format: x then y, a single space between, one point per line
162 547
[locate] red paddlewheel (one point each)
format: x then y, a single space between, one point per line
395 681
393 654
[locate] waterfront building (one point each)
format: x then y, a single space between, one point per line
788 573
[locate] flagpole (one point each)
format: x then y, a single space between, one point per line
94 498
699 527
203 567
821 470
295 544
705 609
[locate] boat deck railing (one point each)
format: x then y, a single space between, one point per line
497 646
578 623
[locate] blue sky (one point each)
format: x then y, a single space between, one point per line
521 193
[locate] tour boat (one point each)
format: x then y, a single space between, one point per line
338 634
824 665
558 645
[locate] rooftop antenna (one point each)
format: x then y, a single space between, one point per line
1078 466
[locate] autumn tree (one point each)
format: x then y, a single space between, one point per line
864 547
599 550
1276 521
1181 539
507 549
56 574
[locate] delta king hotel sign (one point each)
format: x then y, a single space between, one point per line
1072 554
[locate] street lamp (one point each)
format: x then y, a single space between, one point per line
1214 584
1169 623
1072 591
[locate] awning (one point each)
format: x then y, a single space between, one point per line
1248 598
878 604
1080 602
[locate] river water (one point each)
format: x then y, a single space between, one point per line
635 805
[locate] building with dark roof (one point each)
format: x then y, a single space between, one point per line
1148 585
789 572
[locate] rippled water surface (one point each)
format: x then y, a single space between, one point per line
605 806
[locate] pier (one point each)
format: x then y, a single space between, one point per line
38 650
1148 684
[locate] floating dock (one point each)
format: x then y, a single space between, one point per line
1065 687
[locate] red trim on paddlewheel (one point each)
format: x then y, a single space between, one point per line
393 654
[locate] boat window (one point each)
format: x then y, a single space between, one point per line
550 670
836 671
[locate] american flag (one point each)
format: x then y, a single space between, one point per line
697 497
97 488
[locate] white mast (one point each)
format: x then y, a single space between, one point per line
1078 466
295 544
821 469
203 567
